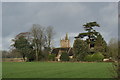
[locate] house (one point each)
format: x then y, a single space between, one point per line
64 47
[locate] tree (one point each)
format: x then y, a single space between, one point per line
113 48
113 51
14 53
100 45
49 34
81 49
42 40
93 38
4 54
39 39
35 44
91 33
22 45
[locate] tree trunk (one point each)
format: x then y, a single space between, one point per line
36 55
24 57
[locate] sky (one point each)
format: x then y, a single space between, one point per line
65 17
0 35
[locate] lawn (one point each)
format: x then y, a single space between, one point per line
55 70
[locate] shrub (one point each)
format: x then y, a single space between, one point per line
97 57
51 57
72 60
88 58
94 57
64 57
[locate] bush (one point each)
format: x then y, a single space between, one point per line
51 57
88 58
74 59
97 57
64 57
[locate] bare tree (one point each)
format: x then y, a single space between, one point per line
38 34
114 49
5 54
49 35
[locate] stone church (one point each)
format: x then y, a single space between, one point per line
64 47
65 43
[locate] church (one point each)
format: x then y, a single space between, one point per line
64 47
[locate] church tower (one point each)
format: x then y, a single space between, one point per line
65 43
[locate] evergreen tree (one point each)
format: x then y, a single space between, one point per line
81 49
23 46
94 39
100 45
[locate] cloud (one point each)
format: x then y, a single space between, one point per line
64 17
0 26
109 19
7 42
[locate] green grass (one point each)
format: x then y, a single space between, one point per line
55 70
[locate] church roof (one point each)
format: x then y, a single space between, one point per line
68 50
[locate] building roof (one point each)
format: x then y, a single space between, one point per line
68 50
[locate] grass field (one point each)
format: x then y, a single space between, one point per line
55 70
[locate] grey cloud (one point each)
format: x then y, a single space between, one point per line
64 17
0 26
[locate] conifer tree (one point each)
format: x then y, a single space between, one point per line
80 48
94 39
